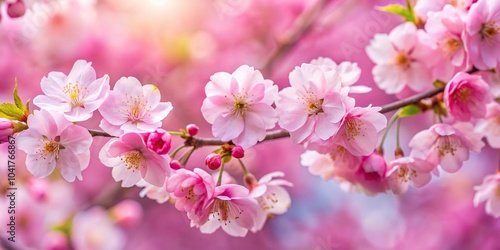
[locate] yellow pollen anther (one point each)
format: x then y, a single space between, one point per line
463 94
339 152
240 106
75 93
135 107
352 129
452 45
315 107
447 145
489 30
405 173
403 61
133 160
51 147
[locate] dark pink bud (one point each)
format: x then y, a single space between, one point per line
213 161
192 129
238 152
175 165
159 141
16 9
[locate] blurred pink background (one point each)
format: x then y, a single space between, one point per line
177 45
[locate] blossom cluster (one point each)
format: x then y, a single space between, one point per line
138 151
451 45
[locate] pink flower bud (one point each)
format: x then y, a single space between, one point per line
238 152
127 213
213 161
175 165
16 9
6 129
250 181
159 141
192 129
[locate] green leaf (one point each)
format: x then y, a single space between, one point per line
17 99
409 110
413 17
399 10
406 12
28 106
11 111
439 84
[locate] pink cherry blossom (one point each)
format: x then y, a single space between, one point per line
489 191
403 58
233 209
406 169
489 127
93 229
466 96
132 161
159 194
446 145
446 28
238 105
159 141
193 192
272 197
482 36
425 7
359 129
132 107
6 129
337 164
348 73
314 104
371 174
77 95
53 142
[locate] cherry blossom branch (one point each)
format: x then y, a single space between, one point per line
198 142
411 100
300 28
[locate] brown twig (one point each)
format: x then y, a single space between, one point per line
411 100
301 27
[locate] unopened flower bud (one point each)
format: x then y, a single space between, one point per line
127 213
250 181
16 9
238 152
175 165
6 129
213 161
159 141
192 129
398 153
